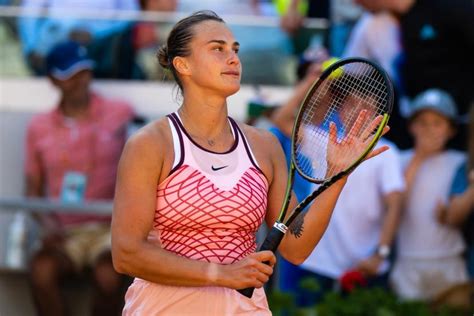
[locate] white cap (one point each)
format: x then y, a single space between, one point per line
436 100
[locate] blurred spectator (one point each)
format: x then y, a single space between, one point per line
39 35
145 33
72 155
259 110
361 230
429 254
148 36
293 12
341 15
8 2
460 210
363 226
130 54
344 15
376 36
437 39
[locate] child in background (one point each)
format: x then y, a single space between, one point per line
429 259
460 210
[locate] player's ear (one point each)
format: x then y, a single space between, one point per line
181 65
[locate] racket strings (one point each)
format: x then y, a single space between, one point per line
338 120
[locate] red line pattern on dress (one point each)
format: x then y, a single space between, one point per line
197 220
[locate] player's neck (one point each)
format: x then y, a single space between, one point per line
208 126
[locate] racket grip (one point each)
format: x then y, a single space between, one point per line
271 243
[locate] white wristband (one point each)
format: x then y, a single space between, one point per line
212 273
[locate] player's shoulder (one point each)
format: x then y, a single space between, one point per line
261 137
154 136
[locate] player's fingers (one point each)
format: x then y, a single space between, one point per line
354 131
370 138
265 268
332 132
263 278
264 256
377 151
371 127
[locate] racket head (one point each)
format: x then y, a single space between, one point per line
341 119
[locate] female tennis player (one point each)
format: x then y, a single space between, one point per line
194 187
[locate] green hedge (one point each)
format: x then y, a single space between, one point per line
360 302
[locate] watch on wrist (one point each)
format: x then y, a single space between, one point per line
383 251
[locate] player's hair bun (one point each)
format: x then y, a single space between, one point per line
163 57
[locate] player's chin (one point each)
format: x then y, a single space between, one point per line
232 88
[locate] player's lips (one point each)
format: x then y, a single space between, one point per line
231 73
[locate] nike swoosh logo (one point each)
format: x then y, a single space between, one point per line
218 168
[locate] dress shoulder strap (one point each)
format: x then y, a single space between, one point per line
178 145
246 144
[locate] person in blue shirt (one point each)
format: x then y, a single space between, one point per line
460 210
39 34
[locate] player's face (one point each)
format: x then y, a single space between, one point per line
214 63
431 131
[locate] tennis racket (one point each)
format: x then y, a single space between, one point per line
338 124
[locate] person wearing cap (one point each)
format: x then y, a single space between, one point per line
429 253
38 34
72 154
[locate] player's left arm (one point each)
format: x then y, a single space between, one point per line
309 227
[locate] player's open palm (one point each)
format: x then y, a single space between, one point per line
341 154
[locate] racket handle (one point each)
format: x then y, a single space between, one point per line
271 243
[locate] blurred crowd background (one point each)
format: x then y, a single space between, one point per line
414 216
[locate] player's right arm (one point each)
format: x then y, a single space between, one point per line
145 162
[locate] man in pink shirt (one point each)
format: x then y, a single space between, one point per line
72 155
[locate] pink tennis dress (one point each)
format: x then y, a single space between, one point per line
209 208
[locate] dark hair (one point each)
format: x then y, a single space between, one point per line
178 40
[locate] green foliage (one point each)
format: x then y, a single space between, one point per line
377 302
309 285
282 303
360 302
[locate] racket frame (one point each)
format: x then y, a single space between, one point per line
280 227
